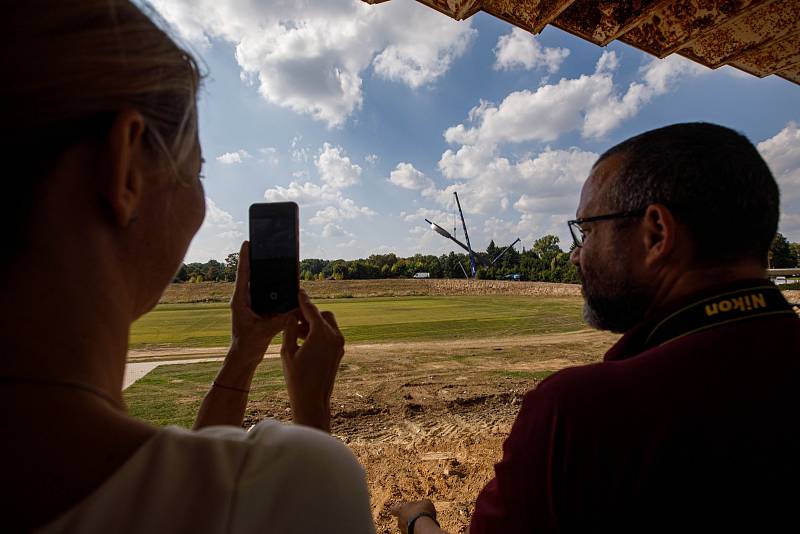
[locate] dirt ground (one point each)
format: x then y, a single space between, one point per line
429 419
399 287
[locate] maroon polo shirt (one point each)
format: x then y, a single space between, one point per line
689 423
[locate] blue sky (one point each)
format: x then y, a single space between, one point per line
371 116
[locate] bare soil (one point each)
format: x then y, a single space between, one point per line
429 419
425 419
318 289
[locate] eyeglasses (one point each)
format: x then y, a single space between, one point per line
578 235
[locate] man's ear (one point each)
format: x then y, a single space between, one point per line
659 233
123 181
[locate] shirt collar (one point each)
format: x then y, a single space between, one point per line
701 311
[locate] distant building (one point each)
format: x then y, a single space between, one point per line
422 275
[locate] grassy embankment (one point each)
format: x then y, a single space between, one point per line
376 320
171 394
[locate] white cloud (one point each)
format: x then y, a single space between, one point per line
589 103
438 216
333 206
782 154
337 172
336 169
220 219
533 194
469 161
541 191
348 244
332 230
219 235
520 49
547 182
270 155
372 159
298 152
790 226
344 209
406 176
311 56
232 158
307 194
422 60
503 199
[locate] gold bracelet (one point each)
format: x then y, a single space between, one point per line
240 390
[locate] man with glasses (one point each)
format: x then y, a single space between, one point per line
690 422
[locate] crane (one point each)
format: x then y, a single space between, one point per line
473 259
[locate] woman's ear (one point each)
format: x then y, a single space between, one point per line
123 178
659 234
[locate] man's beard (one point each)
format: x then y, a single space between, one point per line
613 302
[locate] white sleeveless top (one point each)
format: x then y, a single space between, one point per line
276 478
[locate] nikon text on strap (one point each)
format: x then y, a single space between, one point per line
725 308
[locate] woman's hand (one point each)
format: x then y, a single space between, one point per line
310 369
251 333
408 510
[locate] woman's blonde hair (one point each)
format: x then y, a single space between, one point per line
69 67
70 61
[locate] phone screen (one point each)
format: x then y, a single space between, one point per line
275 238
274 275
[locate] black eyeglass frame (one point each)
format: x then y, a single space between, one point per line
575 224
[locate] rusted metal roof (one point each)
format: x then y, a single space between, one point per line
761 37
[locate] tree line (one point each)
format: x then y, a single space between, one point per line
543 262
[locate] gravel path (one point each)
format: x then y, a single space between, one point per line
141 362
137 371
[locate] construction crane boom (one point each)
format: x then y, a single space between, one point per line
466 237
473 258
444 233
505 250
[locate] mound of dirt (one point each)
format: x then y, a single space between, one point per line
321 289
440 441
792 295
429 419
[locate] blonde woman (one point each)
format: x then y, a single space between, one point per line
100 136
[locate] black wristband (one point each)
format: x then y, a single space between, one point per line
410 527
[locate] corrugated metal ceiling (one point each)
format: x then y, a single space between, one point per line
761 37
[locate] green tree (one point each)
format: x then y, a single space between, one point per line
338 270
547 246
492 250
182 275
212 273
509 261
231 264
796 251
781 255
314 266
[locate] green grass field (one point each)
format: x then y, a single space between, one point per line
377 320
171 394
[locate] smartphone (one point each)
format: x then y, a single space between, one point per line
274 257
